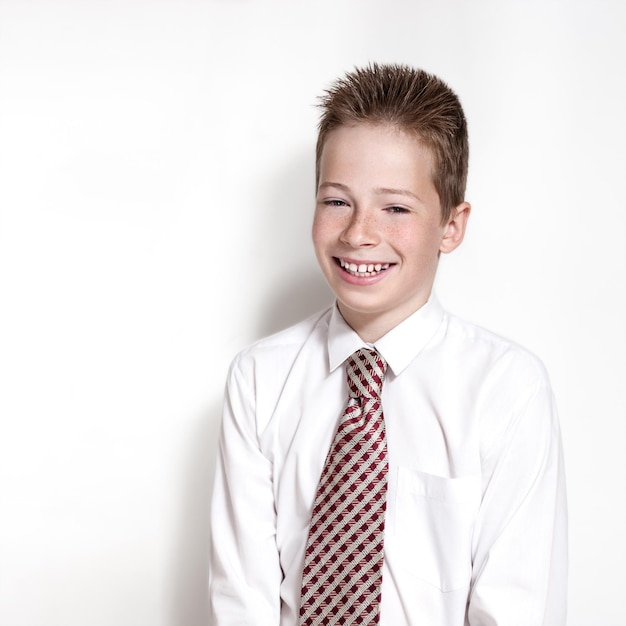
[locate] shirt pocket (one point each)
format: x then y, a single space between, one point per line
434 524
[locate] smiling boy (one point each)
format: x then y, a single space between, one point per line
435 494
377 205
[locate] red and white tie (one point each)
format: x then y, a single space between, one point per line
344 554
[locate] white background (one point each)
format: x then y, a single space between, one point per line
156 192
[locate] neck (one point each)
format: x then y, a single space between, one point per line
371 327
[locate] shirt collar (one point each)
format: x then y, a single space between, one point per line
398 347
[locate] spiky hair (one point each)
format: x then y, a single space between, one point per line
414 101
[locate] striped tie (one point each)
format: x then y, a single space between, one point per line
344 553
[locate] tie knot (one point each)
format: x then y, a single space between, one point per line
366 373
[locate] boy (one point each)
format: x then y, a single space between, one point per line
435 494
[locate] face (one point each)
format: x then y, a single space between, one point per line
377 229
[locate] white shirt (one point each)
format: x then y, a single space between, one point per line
476 530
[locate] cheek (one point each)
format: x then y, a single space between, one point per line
422 243
322 229
316 232
319 238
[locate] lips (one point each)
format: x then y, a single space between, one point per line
362 270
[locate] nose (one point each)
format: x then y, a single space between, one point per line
360 230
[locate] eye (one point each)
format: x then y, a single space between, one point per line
397 209
334 202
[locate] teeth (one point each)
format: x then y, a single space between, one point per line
363 269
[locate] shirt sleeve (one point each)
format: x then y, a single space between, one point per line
520 537
244 569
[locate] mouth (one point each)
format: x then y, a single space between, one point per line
362 270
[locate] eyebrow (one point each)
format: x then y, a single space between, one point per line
398 192
378 190
336 185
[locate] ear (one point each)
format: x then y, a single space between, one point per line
454 231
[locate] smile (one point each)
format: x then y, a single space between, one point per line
363 269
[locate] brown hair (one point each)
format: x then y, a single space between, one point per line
414 101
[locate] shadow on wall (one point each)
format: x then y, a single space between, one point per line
296 300
284 222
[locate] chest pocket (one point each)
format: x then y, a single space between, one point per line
434 524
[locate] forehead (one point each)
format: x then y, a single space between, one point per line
375 149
